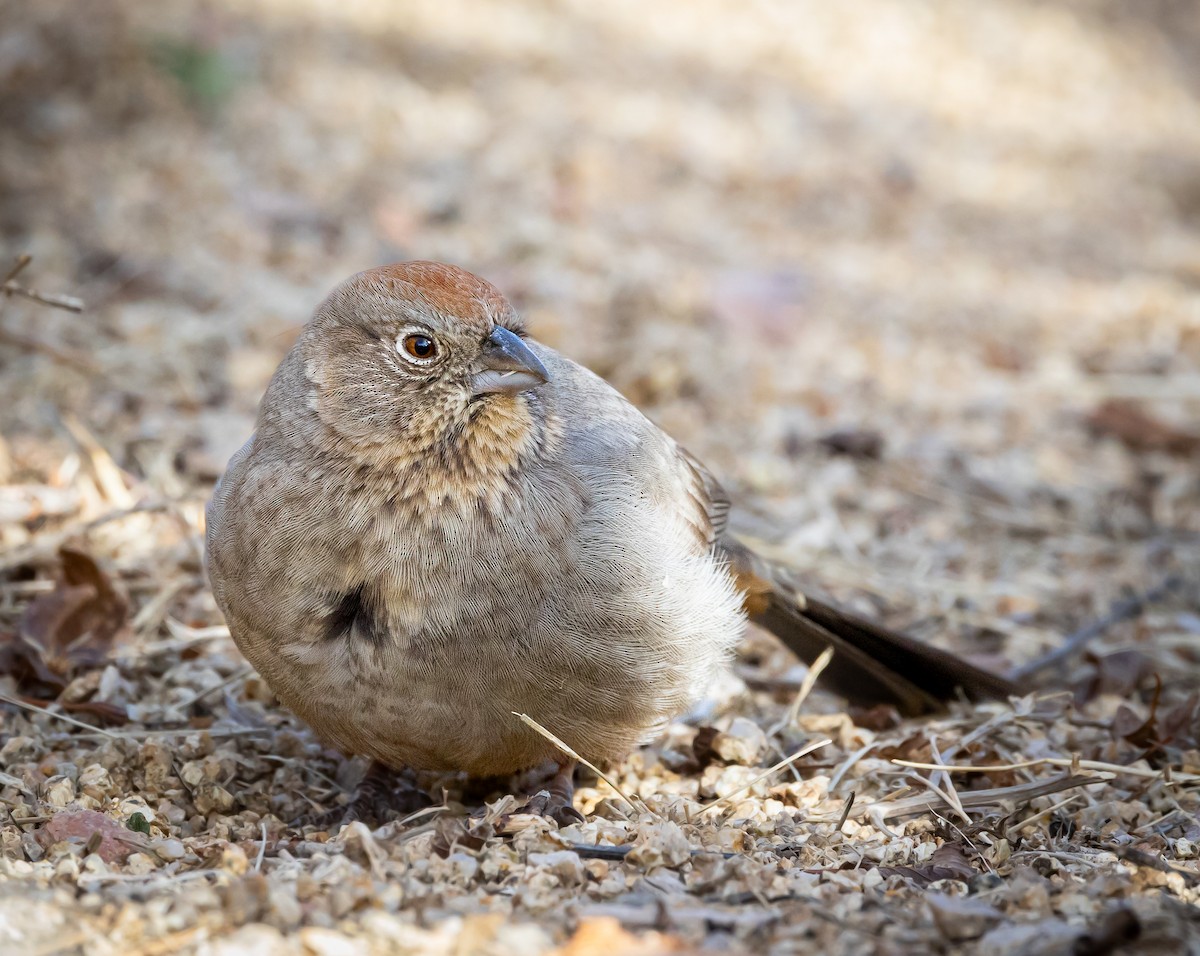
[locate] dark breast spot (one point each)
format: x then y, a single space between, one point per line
354 617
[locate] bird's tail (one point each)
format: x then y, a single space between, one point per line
870 664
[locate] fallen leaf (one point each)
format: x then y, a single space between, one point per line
948 862
453 833
879 717
1180 726
1119 674
64 633
1140 431
73 627
865 443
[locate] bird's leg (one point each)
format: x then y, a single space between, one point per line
382 795
555 796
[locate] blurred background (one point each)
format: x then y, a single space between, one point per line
919 280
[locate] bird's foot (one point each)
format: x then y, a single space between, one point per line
552 806
382 796
554 799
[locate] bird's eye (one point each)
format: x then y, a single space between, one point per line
419 346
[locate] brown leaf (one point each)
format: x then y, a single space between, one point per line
1139 431
913 747
453 833
24 664
879 717
1119 673
1180 726
854 443
101 710
947 863
1127 725
1110 933
72 628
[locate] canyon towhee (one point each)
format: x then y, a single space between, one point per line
440 522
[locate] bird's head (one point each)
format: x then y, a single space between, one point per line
422 359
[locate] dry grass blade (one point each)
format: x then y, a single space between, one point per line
45 546
240 674
806 687
561 745
943 784
108 475
1178 776
894 809
1016 828
769 772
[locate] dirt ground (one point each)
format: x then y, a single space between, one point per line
920 282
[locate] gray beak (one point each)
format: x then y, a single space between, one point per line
506 366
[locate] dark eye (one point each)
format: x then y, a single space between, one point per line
419 346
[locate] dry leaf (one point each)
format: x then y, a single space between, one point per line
1139 431
1119 673
73 626
66 632
864 443
948 862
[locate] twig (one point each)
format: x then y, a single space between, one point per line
55 714
74 359
18 264
845 811
68 302
941 780
10 288
951 802
108 475
216 734
1142 858
1121 611
598 851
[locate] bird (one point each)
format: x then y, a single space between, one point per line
440 524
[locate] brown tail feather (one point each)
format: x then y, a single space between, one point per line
871 664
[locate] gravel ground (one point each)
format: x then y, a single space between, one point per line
919 281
